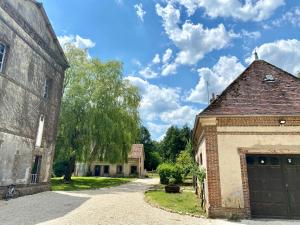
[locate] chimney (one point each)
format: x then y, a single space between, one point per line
256 55
213 97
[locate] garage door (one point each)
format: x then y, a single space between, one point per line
274 183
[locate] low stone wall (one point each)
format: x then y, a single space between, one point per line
27 189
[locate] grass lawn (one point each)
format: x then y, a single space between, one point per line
83 183
152 174
184 203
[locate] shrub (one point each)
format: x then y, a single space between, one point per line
172 180
167 171
60 168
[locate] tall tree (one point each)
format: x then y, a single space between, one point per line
174 142
99 117
152 157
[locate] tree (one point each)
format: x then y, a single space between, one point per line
99 114
174 142
152 157
185 160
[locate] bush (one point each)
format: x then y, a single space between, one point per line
60 168
172 180
167 171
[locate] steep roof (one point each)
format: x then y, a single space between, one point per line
251 94
31 16
137 151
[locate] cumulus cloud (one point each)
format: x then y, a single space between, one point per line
192 40
290 17
140 12
156 59
148 73
161 107
215 79
169 69
251 34
243 10
282 53
76 40
183 115
155 99
167 55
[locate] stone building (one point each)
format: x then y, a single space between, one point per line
133 167
32 66
248 140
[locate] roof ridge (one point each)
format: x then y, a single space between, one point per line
238 84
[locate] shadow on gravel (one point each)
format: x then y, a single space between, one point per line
38 208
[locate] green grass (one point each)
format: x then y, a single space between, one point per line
152 175
84 183
184 203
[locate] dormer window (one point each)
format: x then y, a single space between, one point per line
2 55
269 78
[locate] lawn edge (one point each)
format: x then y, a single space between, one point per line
156 205
91 189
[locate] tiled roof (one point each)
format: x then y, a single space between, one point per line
137 151
251 94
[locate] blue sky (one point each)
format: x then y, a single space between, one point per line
180 51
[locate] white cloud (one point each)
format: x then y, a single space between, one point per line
155 99
248 10
251 34
218 78
192 40
159 130
282 53
290 17
148 73
161 107
140 12
156 59
181 116
169 69
78 41
167 56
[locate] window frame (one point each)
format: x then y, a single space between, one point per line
47 88
4 57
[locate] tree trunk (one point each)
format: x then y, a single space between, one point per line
70 169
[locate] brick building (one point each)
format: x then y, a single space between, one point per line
32 66
248 140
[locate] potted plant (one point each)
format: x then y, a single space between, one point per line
172 187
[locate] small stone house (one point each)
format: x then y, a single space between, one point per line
248 140
32 68
133 167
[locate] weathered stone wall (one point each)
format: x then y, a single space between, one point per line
29 61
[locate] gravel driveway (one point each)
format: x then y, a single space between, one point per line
112 206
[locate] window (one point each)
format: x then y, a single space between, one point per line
47 88
119 169
106 170
35 171
39 136
133 170
2 55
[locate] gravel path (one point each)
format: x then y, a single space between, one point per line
123 205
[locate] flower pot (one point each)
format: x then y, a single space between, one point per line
172 188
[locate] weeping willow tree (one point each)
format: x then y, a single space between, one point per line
99 116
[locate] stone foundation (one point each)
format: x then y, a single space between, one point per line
228 213
29 189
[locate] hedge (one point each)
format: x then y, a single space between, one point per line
167 171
